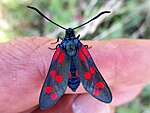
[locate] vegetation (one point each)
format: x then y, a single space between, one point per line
128 19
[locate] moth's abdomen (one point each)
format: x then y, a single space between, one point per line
73 82
73 79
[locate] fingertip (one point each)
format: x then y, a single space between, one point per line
85 103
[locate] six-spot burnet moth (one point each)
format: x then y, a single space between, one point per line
72 63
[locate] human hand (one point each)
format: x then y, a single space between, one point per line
124 63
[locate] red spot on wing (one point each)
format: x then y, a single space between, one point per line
69 75
59 78
100 85
53 73
87 75
92 70
96 92
77 74
54 96
48 89
81 56
61 57
56 54
85 51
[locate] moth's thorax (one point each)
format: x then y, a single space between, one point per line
71 47
70 42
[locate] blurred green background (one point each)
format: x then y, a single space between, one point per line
128 19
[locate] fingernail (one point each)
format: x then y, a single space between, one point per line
85 103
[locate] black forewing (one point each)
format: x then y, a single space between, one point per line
90 76
54 86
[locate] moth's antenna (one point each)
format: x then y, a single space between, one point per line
45 16
101 13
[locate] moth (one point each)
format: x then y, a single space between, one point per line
72 63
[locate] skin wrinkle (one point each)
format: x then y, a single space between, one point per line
29 49
22 67
19 52
23 85
22 47
7 57
26 55
38 48
3 59
11 54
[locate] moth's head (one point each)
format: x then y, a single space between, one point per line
70 32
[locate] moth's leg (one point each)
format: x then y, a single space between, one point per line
54 48
78 36
87 47
57 40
